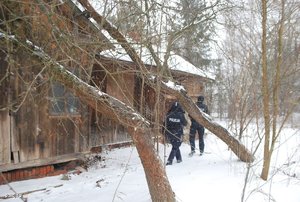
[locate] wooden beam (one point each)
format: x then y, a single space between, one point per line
42 162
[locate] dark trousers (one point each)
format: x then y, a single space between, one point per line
200 130
175 152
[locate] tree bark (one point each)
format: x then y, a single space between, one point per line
158 184
239 149
270 140
265 93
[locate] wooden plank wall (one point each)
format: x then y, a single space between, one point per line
121 86
36 135
194 86
25 94
4 138
4 113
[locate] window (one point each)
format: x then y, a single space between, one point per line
63 102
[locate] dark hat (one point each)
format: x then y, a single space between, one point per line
176 106
200 98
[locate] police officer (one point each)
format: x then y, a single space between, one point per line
196 127
174 123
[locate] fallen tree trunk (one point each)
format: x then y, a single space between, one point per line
234 144
189 106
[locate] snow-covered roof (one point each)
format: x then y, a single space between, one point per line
175 62
178 63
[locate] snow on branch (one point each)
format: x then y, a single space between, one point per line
174 86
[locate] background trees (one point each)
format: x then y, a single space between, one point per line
260 62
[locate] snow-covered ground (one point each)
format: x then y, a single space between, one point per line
216 176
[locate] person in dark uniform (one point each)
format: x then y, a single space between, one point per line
196 127
174 123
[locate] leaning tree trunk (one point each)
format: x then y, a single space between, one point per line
138 127
159 189
239 149
234 144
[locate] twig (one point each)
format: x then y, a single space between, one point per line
21 195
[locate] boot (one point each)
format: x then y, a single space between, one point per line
192 153
169 163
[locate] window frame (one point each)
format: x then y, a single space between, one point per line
59 93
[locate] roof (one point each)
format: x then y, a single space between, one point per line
175 62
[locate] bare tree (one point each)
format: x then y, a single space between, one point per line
271 92
265 92
257 61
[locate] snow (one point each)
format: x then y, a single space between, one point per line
175 62
216 176
174 86
178 63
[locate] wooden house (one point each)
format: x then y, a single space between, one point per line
42 124
190 77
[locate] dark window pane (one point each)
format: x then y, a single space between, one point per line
57 106
72 104
58 90
62 102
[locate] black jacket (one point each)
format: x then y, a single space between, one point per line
203 108
174 123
